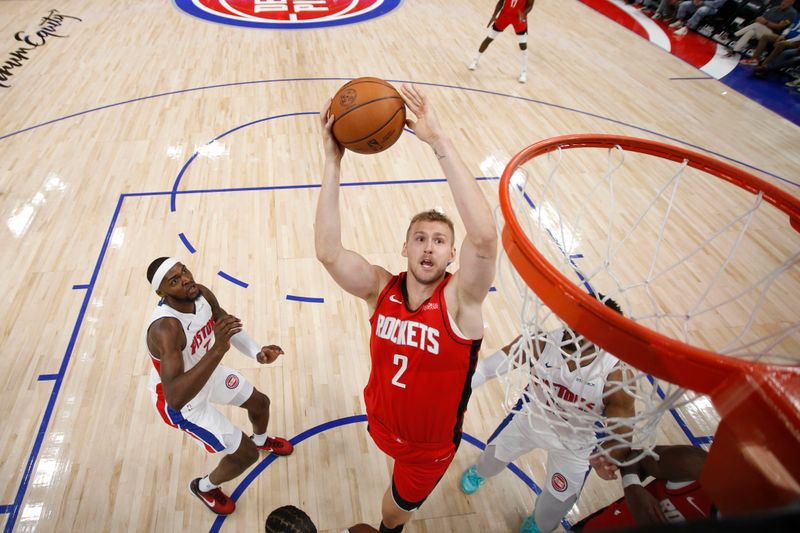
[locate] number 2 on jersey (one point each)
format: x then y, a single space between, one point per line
402 360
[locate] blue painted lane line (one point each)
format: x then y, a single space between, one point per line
186 243
233 280
308 299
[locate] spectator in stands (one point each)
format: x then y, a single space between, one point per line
666 10
780 44
769 25
696 11
648 6
785 54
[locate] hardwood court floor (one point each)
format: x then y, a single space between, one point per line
98 128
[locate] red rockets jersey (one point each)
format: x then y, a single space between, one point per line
683 504
512 7
422 366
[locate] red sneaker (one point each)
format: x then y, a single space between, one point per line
277 445
215 499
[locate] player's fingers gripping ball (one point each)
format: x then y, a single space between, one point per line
369 115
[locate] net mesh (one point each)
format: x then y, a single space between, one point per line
682 253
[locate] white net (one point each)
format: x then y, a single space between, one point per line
682 252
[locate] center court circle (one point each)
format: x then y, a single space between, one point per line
286 14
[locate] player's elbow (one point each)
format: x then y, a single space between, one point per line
174 399
174 405
485 242
324 255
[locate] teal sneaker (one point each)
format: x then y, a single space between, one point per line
529 525
471 481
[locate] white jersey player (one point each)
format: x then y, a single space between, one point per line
187 337
569 377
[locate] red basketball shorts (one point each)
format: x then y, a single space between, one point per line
418 467
504 19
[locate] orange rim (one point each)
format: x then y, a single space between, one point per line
661 356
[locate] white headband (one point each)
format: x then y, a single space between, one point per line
158 277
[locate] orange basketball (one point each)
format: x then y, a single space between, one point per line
369 115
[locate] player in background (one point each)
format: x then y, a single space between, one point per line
426 324
515 13
187 337
674 496
591 380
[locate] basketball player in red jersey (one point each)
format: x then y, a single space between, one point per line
511 12
188 335
426 325
674 496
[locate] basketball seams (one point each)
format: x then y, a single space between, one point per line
377 130
359 106
400 109
368 115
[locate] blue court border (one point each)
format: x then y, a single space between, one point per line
13 509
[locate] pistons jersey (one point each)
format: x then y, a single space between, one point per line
564 395
422 367
198 327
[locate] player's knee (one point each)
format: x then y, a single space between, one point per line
260 403
247 453
265 402
523 46
522 39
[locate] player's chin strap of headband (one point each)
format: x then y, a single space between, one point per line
162 270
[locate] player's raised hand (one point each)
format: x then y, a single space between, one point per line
333 149
269 354
604 468
225 328
426 126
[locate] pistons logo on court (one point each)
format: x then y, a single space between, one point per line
286 14
232 381
559 482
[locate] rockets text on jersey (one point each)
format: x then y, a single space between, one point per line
408 333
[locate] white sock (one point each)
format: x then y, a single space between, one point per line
206 485
524 60
259 440
478 58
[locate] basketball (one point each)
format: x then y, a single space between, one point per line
369 115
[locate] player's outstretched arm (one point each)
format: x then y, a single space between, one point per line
350 270
479 251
